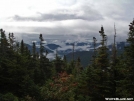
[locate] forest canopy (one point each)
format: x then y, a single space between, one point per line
30 76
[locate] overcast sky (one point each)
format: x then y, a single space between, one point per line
66 16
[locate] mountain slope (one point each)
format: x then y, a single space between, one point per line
86 56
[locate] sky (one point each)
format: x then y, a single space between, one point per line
67 17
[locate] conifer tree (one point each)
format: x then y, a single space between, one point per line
17 46
113 67
102 60
11 40
44 62
64 58
34 50
27 52
102 68
94 53
41 46
22 47
65 63
78 67
3 43
58 63
129 64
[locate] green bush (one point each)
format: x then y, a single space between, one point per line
8 97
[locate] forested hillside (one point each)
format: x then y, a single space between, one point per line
86 56
31 76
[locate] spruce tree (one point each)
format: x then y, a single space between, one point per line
102 68
45 65
41 46
34 50
94 53
58 63
22 47
102 60
11 40
3 43
113 68
129 63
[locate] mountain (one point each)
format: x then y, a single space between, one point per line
84 50
86 56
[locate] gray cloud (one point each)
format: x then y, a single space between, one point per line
88 13
86 18
119 10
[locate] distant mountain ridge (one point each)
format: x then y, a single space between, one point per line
65 48
78 47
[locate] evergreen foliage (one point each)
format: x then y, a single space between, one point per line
31 76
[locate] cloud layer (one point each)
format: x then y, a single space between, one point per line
58 17
84 13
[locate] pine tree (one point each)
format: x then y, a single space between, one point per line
11 40
129 64
102 69
102 59
94 53
27 52
4 46
34 50
113 68
58 63
17 46
64 58
65 63
22 47
78 67
41 46
45 64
